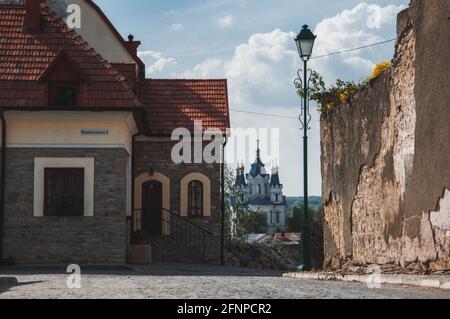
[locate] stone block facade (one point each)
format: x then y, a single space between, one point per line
156 155
100 239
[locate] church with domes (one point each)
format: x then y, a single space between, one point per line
263 192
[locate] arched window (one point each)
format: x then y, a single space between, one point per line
195 198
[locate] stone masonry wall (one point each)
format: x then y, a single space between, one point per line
62 240
385 155
157 154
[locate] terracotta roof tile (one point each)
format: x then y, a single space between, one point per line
172 104
24 57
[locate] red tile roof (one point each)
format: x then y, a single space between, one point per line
24 58
172 104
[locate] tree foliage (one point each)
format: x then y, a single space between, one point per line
240 220
340 92
295 223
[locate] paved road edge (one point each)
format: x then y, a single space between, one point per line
407 280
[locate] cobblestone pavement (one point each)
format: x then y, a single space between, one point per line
190 282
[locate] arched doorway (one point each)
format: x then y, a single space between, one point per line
152 204
139 199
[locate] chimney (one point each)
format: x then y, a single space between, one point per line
32 20
132 45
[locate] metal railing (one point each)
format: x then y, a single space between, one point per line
188 235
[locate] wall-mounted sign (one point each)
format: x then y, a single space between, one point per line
95 131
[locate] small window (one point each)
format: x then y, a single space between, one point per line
64 192
276 198
250 189
195 198
277 218
64 94
258 189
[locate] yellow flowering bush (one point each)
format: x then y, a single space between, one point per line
339 93
329 105
380 68
343 96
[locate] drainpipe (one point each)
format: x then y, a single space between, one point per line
222 235
2 182
133 172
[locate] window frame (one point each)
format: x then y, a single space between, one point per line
40 163
66 173
54 85
199 209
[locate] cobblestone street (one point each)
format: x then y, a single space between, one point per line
190 281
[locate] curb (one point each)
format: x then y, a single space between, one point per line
404 280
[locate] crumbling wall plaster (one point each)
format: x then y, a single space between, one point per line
376 156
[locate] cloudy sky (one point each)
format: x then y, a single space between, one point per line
250 42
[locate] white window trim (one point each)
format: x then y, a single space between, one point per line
40 164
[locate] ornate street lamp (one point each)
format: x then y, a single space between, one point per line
305 44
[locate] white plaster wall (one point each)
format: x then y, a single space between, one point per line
96 32
63 129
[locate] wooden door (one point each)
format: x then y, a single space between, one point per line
152 208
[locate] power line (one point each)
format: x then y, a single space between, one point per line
315 57
265 114
354 49
268 115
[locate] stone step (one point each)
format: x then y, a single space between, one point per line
166 249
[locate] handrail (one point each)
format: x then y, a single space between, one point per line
180 229
188 221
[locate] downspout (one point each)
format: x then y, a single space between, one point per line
133 178
2 183
222 235
146 129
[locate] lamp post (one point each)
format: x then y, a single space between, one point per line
305 43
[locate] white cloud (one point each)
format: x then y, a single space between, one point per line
260 75
226 21
363 24
177 27
259 68
156 60
210 68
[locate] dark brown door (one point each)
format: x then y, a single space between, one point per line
152 208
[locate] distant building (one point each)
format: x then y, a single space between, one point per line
263 192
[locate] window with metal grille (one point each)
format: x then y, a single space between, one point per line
195 198
64 192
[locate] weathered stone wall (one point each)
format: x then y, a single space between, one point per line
62 240
386 155
157 154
